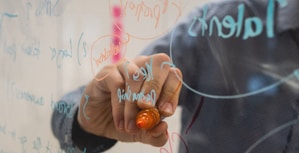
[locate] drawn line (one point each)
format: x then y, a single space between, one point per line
274 131
296 73
10 15
182 140
281 81
168 63
195 116
84 107
78 46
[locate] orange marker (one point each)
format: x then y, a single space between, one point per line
147 118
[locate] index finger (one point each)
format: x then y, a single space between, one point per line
156 77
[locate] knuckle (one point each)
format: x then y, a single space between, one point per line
177 71
153 85
160 58
159 143
163 57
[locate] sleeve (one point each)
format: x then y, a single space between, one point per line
67 130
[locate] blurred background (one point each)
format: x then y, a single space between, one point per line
50 47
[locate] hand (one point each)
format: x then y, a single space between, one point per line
109 107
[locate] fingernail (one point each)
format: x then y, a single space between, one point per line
121 124
132 126
166 108
145 102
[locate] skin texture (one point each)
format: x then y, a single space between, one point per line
104 115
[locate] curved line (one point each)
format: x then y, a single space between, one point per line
196 114
283 80
92 50
182 140
78 50
84 107
167 63
10 15
272 132
296 73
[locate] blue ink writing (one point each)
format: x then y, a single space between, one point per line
30 97
62 107
296 73
37 144
11 51
13 134
31 48
48 150
46 8
84 107
253 26
78 48
3 129
128 95
60 54
23 140
147 72
274 85
8 15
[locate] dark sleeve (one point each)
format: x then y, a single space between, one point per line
67 130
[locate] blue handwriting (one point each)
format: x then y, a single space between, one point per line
84 107
3 129
31 48
261 90
62 107
128 95
37 144
23 140
60 54
7 15
146 72
47 8
253 26
11 50
30 97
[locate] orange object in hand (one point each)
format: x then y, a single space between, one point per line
147 118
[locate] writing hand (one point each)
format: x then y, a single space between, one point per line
109 114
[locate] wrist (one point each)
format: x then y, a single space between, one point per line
89 142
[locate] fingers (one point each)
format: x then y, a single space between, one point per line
130 72
155 78
145 82
158 136
163 84
169 97
117 104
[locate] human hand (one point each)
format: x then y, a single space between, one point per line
119 91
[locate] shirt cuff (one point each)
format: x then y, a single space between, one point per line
88 142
